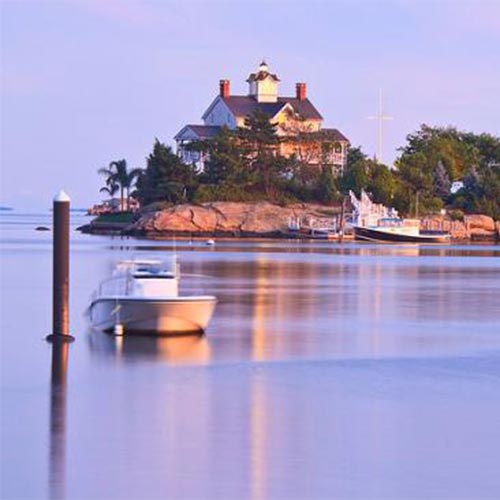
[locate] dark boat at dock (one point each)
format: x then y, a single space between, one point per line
378 223
398 234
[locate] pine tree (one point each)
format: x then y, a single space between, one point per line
442 183
225 160
327 188
166 177
260 142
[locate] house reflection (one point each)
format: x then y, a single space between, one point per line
259 312
58 404
176 350
294 304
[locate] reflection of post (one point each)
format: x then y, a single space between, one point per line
258 439
57 457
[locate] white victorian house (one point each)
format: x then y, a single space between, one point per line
299 123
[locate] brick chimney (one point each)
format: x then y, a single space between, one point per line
224 88
300 91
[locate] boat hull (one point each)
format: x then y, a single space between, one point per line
172 316
377 235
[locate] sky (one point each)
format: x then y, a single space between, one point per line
86 82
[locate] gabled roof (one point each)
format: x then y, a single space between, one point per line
242 106
262 75
305 108
333 134
201 131
205 131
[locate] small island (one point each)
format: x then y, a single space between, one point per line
262 161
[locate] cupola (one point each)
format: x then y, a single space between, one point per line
263 85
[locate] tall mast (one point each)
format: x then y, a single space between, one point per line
380 117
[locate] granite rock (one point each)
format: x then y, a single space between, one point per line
260 218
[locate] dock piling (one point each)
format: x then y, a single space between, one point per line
60 269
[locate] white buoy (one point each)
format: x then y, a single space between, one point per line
210 243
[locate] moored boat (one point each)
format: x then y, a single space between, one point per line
378 223
142 296
398 231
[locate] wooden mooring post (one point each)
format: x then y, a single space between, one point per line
60 269
342 217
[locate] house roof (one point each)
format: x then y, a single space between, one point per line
242 106
324 134
262 75
205 131
333 134
202 131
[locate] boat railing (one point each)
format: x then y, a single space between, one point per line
115 285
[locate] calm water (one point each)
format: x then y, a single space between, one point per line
328 371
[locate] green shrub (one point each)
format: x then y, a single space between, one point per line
455 214
223 192
118 218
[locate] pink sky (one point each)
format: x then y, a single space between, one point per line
88 82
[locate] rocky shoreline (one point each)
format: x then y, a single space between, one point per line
260 219
476 227
267 220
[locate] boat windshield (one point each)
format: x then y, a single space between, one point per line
390 222
149 268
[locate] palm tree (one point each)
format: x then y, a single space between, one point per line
129 181
117 174
111 189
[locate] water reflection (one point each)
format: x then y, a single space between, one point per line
177 350
259 311
350 248
258 438
276 308
57 449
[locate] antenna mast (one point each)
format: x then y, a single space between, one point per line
380 117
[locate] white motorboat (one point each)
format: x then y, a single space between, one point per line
142 296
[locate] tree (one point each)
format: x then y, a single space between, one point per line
445 144
415 192
382 184
487 148
327 191
355 155
166 177
356 175
117 174
260 144
435 156
481 192
442 181
225 159
111 189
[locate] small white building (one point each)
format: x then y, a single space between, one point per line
456 186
